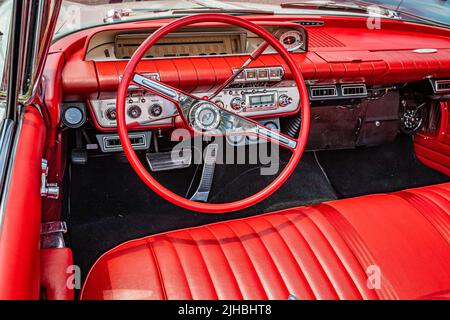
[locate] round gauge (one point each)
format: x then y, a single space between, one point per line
235 140
206 117
155 110
271 125
73 117
292 40
134 112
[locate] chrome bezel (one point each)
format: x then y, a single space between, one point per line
196 113
299 44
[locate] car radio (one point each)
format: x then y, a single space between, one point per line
283 97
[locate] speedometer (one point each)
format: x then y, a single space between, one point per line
292 40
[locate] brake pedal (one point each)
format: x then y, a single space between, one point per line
209 167
171 160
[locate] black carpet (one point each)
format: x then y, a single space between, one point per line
110 205
387 168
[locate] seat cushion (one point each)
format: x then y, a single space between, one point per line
387 246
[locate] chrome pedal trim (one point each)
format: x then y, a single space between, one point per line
204 187
172 160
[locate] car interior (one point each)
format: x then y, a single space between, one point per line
359 122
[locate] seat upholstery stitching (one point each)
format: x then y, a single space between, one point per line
352 282
270 256
226 259
278 233
314 255
434 214
204 262
158 270
436 191
248 258
182 268
363 253
356 245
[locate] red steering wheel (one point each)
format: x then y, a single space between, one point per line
186 102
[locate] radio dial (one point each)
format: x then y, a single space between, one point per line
284 100
236 103
134 112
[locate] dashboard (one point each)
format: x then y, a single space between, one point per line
257 92
353 73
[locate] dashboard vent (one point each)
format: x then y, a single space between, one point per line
442 86
323 92
354 90
310 23
320 39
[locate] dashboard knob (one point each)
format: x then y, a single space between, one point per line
284 100
134 112
155 110
236 103
111 114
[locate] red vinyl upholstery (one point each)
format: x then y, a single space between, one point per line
326 251
434 150
55 275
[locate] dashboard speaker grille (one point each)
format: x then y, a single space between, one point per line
320 39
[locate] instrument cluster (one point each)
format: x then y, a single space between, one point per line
141 107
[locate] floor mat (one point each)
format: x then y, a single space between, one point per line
110 205
387 168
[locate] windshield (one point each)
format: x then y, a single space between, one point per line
80 14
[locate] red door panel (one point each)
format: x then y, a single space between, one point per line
20 228
434 151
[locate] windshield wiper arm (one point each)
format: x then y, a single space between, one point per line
221 10
119 14
331 5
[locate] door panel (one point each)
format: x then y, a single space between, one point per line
434 150
21 211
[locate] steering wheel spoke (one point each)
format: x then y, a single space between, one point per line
163 90
276 137
210 119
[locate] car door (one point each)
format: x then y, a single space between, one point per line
26 30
